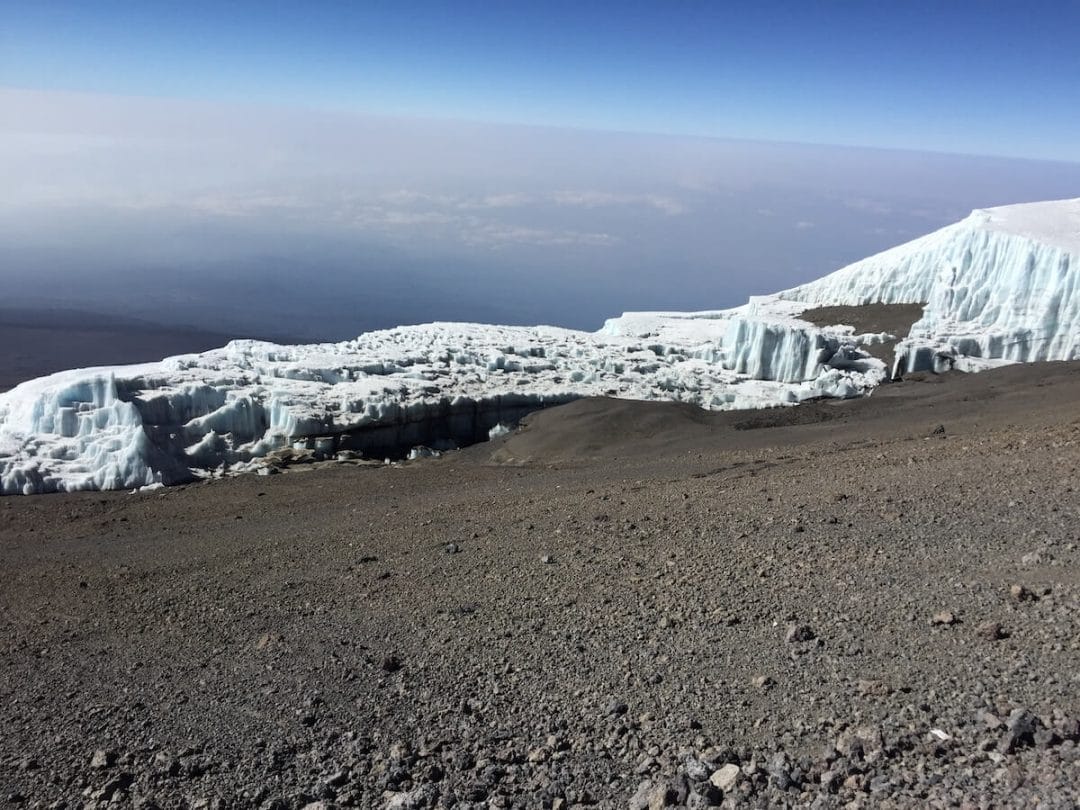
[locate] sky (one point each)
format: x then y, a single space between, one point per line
988 77
311 171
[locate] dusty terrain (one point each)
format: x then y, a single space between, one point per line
870 603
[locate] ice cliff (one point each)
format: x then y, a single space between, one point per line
999 286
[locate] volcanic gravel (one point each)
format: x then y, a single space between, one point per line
871 603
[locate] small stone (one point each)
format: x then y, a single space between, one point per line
1022 726
695 769
1046 738
452 548
991 631
102 759
547 559
338 778
119 784
989 719
830 781
874 687
1068 727
880 784
779 771
799 632
945 617
616 708
855 782
1030 559
859 742
726 778
938 431
1021 594
640 799
763 682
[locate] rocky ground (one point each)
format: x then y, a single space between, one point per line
872 603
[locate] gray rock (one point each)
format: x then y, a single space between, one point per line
798 633
616 708
695 769
1021 727
726 777
860 742
102 759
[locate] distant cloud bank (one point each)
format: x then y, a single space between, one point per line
339 223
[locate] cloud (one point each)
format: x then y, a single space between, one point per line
496 235
803 225
599 199
515 199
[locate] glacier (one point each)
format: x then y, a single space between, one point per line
999 286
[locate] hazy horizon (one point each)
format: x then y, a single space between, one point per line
320 225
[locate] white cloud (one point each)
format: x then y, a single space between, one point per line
495 235
599 199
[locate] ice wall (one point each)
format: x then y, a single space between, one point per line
384 392
1008 298
999 286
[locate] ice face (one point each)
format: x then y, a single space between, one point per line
1000 286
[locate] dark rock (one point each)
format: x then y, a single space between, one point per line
1021 727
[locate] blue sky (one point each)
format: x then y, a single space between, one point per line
979 78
